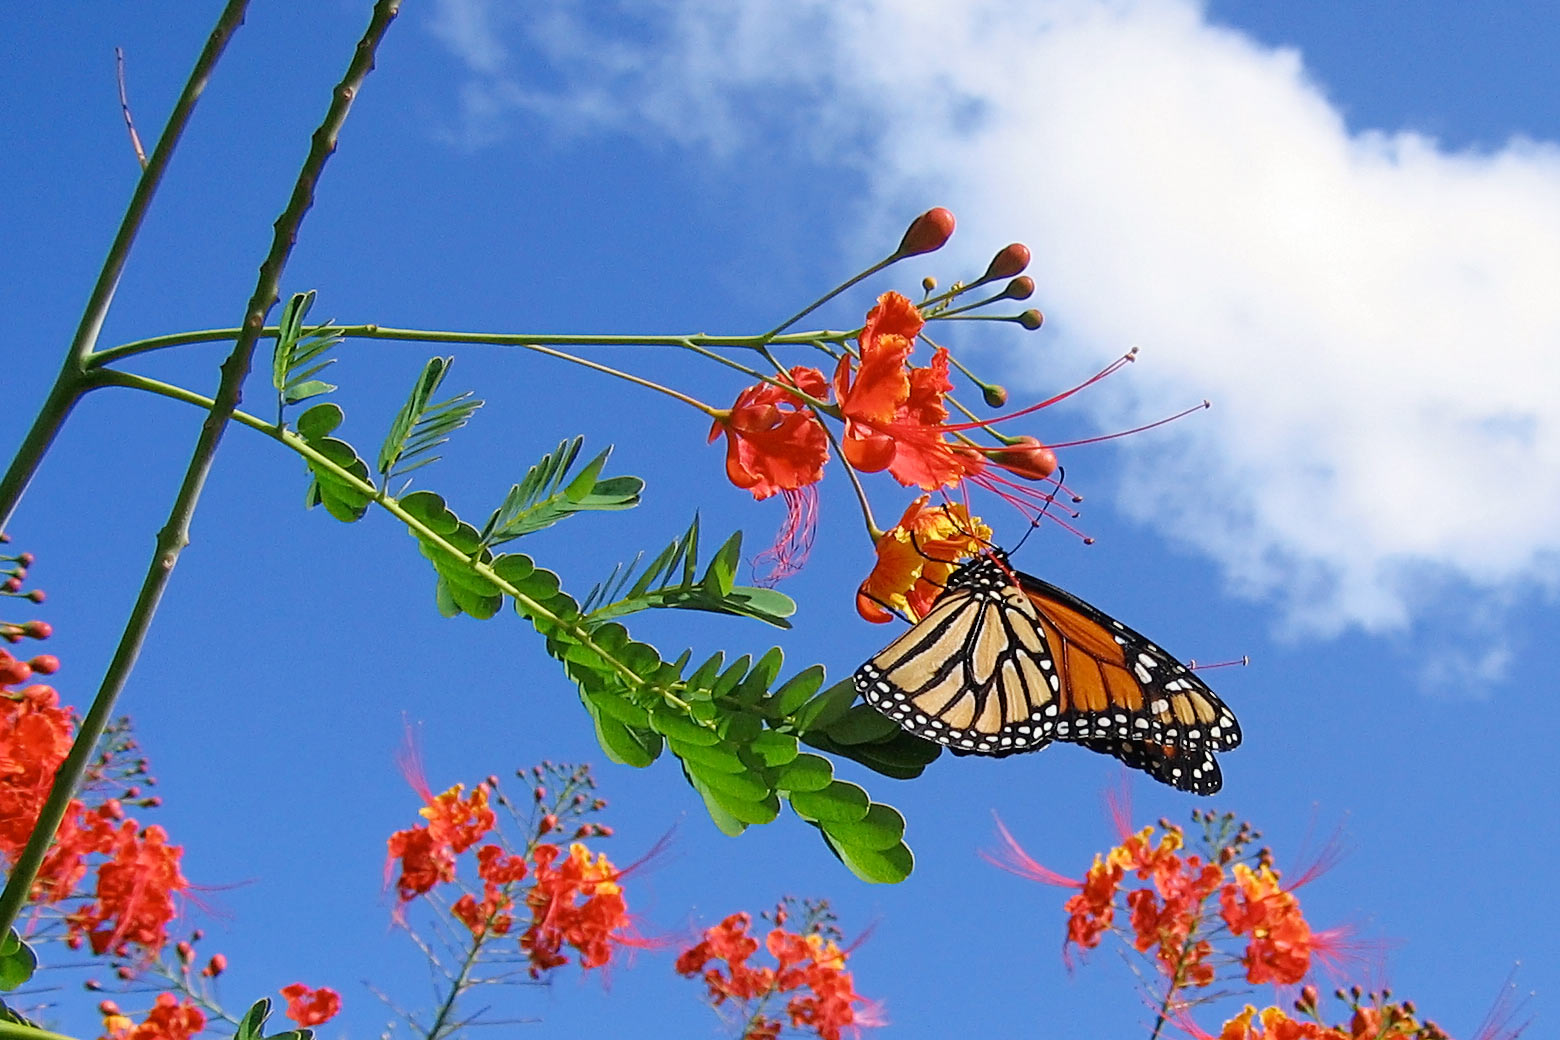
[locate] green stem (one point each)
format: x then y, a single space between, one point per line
175 533
457 986
501 339
17 1031
110 377
826 297
67 385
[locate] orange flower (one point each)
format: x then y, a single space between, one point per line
578 904
311 1007
456 823
810 966
774 442
427 854
167 1020
915 557
894 412
1280 946
134 899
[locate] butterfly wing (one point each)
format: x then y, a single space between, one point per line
975 674
1117 684
1005 662
1185 769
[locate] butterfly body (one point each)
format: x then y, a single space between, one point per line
1005 663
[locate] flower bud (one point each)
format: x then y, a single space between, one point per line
12 584
37 630
1010 260
995 395
1027 457
928 284
26 559
185 951
45 664
37 596
1309 997
603 830
92 985
540 794
549 822
1020 288
1031 319
108 1007
216 966
926 233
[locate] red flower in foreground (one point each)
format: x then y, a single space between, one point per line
577 904
311 1007
427 854
1173 917
169 1019
894 411
915 557
1281 941
136 888
774 442
809 967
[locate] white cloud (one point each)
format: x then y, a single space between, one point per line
1376 318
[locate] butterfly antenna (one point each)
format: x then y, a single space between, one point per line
1238 662
1050 496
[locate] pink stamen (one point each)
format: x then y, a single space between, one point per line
1136 429
1114 366
793 542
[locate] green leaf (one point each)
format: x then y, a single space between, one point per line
17 961
629 747
860 725
721 574
252 1025
840 802
758 679
624 711
886 867
292 374
903 756
672 723
320 421
704 675
881 829
775 749
826 708
743 786
663 584
806 772
793 693
708 758
542 498
715 804
731 676
419 427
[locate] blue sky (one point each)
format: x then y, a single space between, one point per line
1340 223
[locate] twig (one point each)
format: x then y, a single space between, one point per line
124 106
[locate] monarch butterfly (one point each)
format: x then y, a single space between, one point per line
1004 662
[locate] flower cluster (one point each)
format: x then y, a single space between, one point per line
573 898
311 1007
169 1019
138 880
893 413
1371 1016
809 967
1222 912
